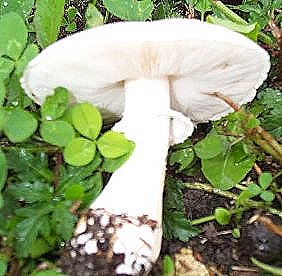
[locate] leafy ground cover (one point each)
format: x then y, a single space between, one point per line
52 164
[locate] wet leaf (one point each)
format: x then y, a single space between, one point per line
13 35
130 9
55 105
226 170
19 125
222 215
114 144
58 133
47 20
87 120
79 152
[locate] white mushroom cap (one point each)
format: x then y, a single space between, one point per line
197 57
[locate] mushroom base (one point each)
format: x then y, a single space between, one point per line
109 244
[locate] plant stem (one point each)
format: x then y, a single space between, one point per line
250 204
212 217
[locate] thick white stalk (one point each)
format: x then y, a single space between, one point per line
136 188
121 232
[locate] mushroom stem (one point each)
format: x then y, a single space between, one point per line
138 184
122 230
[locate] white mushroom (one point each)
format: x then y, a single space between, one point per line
148 73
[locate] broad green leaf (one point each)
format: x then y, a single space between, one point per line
3 264
47 20
6 68
267 196
55 105
3 169
21 7
254 189
113 144
112 164
79 152
226 170
93 17
19 125
74 192
130 9
29 53
210 146
87 120
200 5
265 180
222 215
26 234
177 226
58 133
13 35
183 157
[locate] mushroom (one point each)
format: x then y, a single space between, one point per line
157 76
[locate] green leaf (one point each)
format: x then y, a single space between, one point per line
211 146
177 226
183 157
38 248
47 20
31 192
222 215
22 7
243 197
29 53
3 264
74 192
96 182
114 144
29 167
87 120
226 170
55 105
200 5
63 222
3 169
26 234
130 9
168 266
79 152
19 125
173 195
72 175
267 196
93 17
58 133
112 164
6 68
254 189
265 180
250 30
13 35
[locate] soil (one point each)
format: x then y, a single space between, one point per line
215 246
